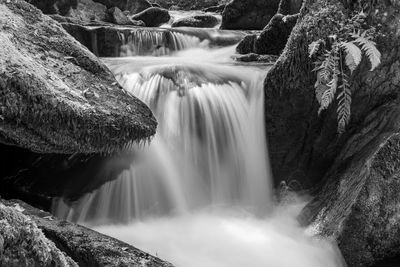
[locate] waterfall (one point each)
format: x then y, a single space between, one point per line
210 148
158 42
200 193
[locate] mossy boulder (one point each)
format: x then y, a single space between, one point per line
55 95
82 245
23 244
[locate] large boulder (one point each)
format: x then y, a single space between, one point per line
116 16
153 16
86 247
198 21
56 96
133 6
248 14
272 39
60 7
87 10
359 204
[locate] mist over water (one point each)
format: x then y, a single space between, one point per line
228 238
200 194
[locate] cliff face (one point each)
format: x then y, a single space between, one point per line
57 97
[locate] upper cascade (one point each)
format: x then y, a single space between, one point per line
143 42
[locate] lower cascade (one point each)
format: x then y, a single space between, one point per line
200 194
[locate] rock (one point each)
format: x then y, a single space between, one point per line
138 23
63 19
110 40
37 178
359 205
46 95
198 21
86 247
138 6
248 14
252 57
87 10
246 46
22 243
289 7
272 39
188 5
116 16
61 7
215 9
133 6
153 16
353 177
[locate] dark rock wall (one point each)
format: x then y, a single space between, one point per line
248 14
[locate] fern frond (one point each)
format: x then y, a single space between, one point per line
313 48
369 47
319 92
353 55
323 76
344 105
329 94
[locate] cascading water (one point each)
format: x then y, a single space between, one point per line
200 194
210 146
141 42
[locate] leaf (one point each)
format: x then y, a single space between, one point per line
344 105
329 94
319 91
369 47
323 76
353 55
313 48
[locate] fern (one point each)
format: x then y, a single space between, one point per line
331 76
369 47
329 95
313 48
353 55
344 105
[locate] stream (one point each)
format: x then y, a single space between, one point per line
201 193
